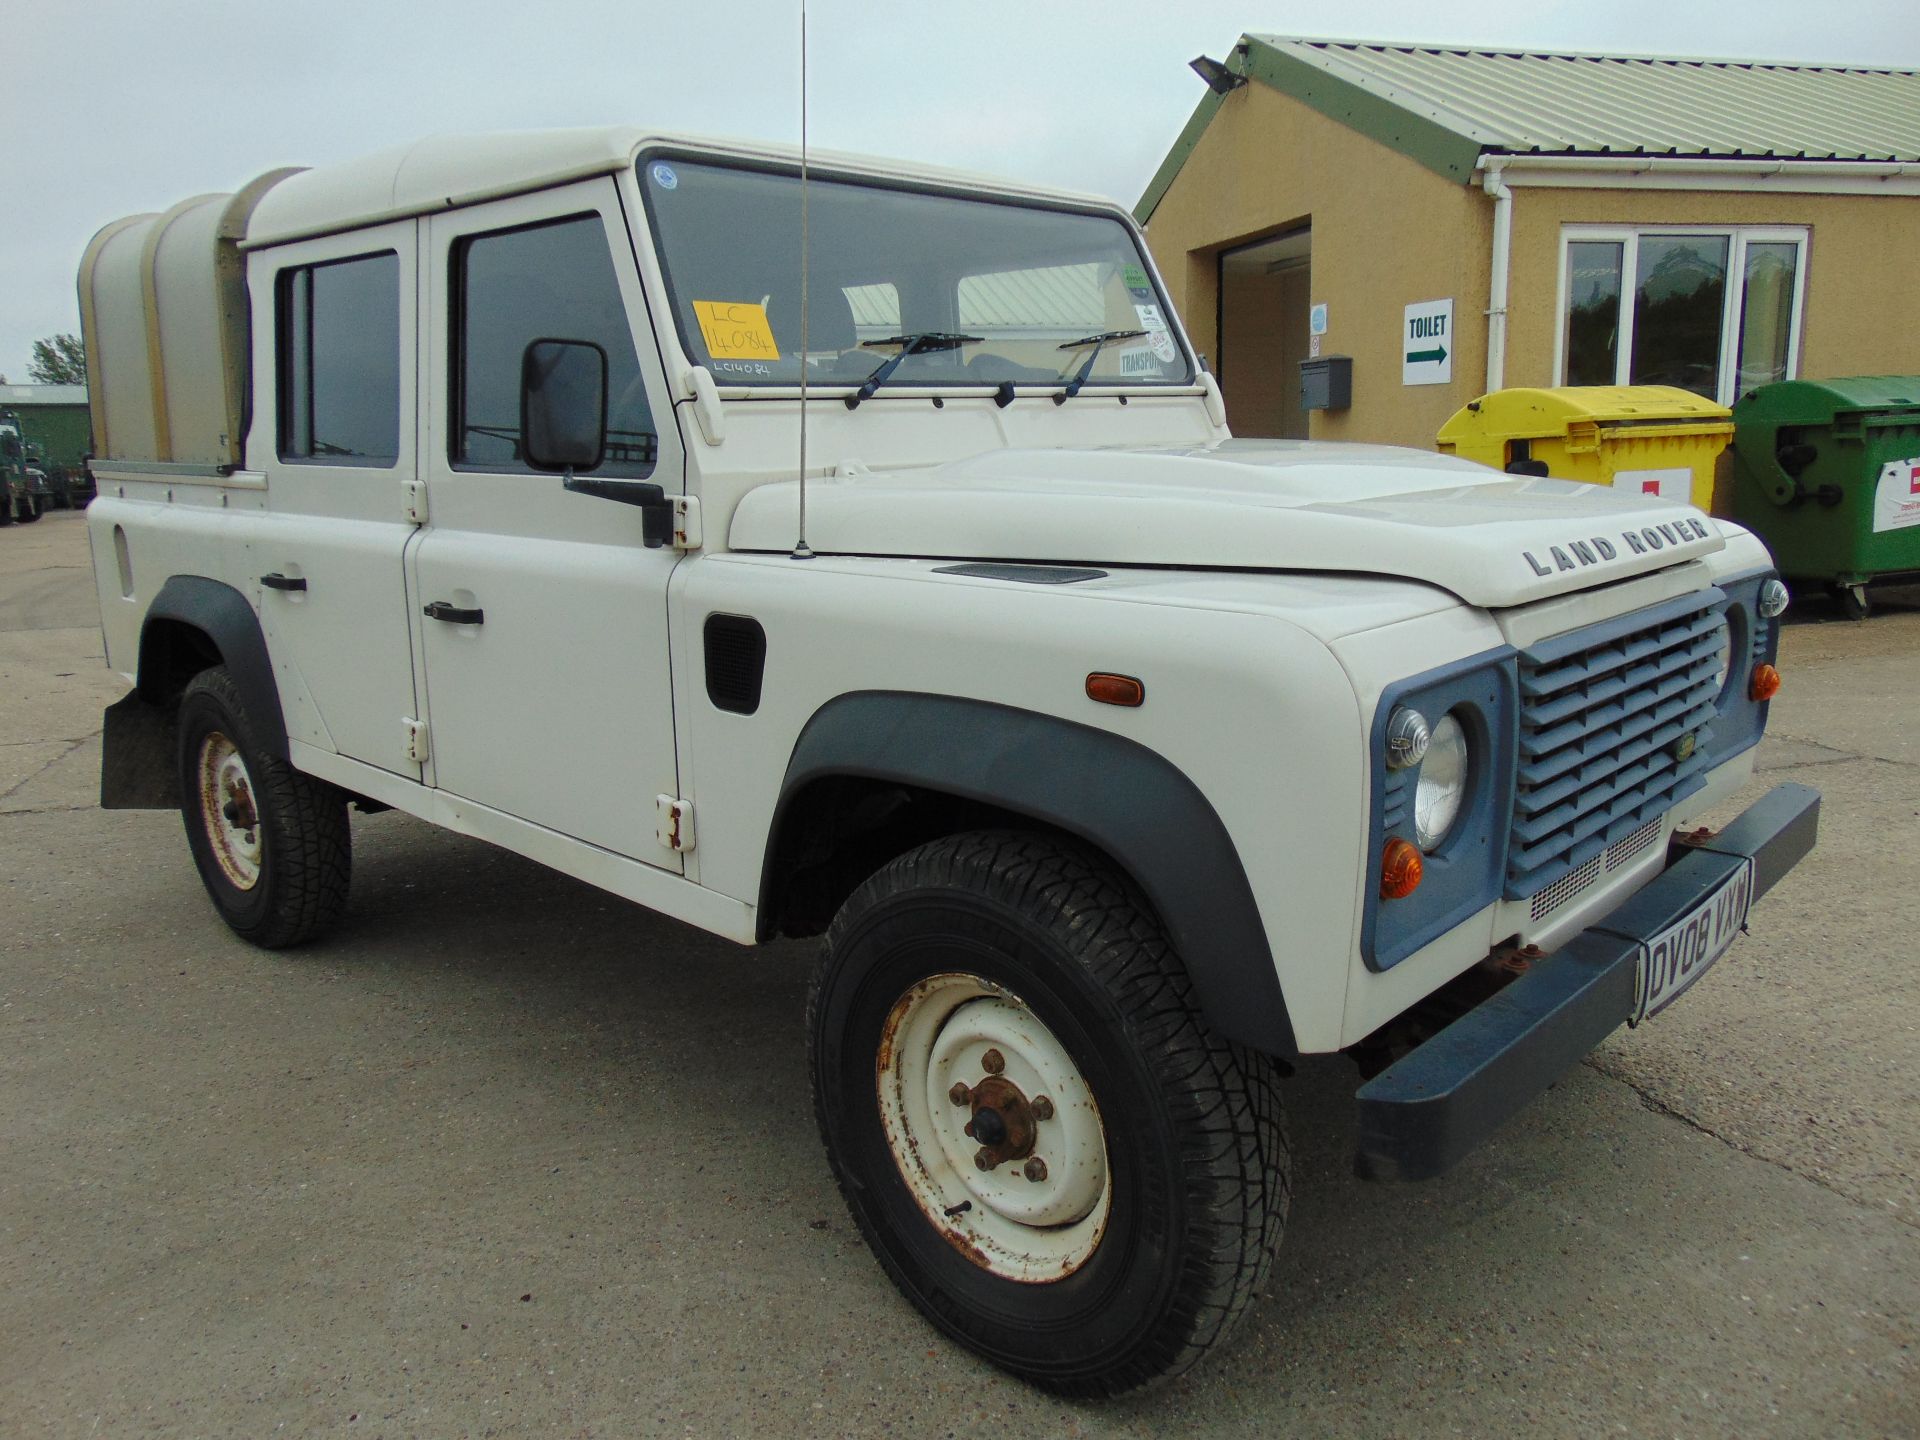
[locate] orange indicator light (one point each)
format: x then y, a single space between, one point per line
1400 869
1115 689
1765 683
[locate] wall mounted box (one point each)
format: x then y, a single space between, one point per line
1326 383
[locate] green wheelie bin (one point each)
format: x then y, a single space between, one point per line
1827 472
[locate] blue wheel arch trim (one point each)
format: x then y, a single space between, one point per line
224 615
1112 792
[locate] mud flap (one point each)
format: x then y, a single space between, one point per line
137 762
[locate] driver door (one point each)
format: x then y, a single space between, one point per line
545 656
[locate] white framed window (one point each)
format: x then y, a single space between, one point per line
1714 309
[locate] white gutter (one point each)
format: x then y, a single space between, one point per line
1674 172
1491 169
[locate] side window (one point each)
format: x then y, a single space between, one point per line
337 327
544 282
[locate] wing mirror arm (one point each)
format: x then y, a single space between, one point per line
656 510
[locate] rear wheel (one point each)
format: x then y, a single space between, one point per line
31 508
272 845
1048 1149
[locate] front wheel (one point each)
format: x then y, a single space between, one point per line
271 844
1052 1154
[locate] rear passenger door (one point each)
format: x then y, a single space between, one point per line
548 690
334 371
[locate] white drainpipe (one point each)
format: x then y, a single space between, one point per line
1490 167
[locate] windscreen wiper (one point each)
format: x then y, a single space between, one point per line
921 342
1086 366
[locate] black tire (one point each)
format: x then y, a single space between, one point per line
297 869
1196 1147
31 509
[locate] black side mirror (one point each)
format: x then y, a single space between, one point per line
563 404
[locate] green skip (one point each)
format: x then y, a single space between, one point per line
1436 355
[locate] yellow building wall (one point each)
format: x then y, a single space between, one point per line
1862 306
1386 232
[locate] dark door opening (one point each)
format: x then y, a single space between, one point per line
1265 291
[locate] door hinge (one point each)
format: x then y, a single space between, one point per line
413 500
676 822
418 745
686 523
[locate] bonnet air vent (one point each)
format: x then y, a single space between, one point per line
736 659
1030 574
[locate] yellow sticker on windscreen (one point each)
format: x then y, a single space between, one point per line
735 330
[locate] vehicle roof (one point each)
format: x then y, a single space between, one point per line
445 171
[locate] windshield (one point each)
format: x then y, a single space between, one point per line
1012 292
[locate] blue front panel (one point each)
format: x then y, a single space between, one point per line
1462 874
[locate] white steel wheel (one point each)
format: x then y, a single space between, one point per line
271 844
995 1001
227 810
995 1131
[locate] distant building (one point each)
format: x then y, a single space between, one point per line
55 418
1542 219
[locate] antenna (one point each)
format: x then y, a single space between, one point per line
801 550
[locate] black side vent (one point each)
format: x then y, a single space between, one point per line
736 660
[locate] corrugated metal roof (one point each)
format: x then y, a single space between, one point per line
1521 103
43 394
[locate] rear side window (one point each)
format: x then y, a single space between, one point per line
338 326
543 282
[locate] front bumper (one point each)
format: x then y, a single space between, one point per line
1427 1110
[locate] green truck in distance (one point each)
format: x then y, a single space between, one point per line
27 494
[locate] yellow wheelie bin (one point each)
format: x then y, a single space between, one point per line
1651 439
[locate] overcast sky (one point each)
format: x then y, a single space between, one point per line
118 106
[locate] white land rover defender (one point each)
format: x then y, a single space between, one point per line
1117 760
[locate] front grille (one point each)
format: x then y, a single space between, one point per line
1622 851
1602 713
1546 901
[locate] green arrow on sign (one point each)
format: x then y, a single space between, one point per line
1436 355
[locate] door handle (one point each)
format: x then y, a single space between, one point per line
277 581
453 614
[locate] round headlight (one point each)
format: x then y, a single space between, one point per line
1773 598
1407 737
1722 654
1442 787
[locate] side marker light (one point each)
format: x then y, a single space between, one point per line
1401 867
1765 683
1116 689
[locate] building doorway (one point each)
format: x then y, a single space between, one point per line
1264 298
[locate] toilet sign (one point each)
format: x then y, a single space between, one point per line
1426 343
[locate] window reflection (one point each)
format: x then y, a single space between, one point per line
1680 291
1593 311
1766 316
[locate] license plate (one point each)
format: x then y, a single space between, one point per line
1680 954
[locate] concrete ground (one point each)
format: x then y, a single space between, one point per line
505 1156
